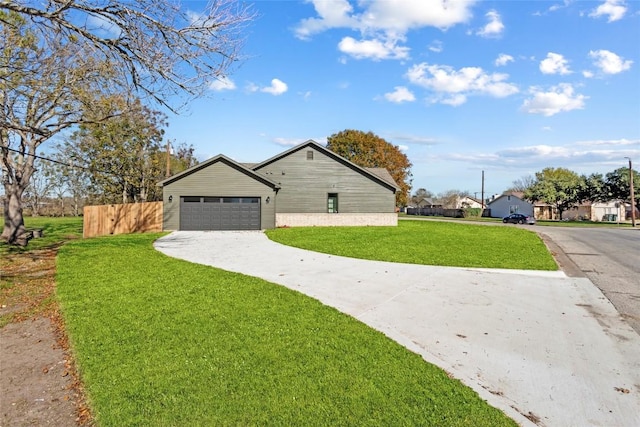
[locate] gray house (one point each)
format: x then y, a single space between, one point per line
509 203
307 185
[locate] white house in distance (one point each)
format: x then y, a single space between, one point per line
593 211
468 202
508 203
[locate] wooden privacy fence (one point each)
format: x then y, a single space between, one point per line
453 213
122 219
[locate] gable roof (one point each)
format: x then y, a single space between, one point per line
515 194
377 176
223 159
383 174
472 199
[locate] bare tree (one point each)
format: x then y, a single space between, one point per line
523 184
59 56
450 199
420 195
43 91
155 45
69 181
40 188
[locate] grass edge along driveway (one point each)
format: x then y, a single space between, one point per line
163 342
452 244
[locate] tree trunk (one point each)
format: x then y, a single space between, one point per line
13 219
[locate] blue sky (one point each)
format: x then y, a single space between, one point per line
504 87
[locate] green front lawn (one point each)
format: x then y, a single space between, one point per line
427 242
163 342
55 232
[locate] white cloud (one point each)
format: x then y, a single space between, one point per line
561 98
610 142
399 95
278 87
609 63
287 142
332 14
413 139
546 151
382 24
454 100
554 64
503 59
453 86
436 46
305 95
403 15
403 148
373 49
221 84
579 157
556 7
104 27
613 9
544 155
587 74
494 27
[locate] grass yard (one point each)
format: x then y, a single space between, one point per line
55 232
163 342
27 273
427 242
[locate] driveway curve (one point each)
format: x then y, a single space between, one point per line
547 349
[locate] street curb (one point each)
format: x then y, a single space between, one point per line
565 263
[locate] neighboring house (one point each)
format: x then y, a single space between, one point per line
544 211
306 185
597 211
509 203
428 202
468 202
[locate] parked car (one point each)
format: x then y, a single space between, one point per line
519 219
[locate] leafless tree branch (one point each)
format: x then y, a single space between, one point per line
159 47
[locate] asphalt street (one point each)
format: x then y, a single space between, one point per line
609 257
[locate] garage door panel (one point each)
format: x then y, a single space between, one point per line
219 213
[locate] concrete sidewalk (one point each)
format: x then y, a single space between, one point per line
545 348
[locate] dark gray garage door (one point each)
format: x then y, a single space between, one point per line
219 213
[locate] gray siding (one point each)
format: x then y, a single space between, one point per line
501 206
307 183
217 179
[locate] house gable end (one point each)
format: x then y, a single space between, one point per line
227 161
312 144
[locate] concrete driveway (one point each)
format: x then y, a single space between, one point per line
545 348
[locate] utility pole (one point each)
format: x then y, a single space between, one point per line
482 201
633 200
168 173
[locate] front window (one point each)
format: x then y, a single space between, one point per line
332 203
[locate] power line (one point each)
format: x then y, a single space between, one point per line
57 161
46 158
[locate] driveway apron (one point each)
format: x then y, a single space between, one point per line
547 349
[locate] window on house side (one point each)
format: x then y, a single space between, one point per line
332 203
309 155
